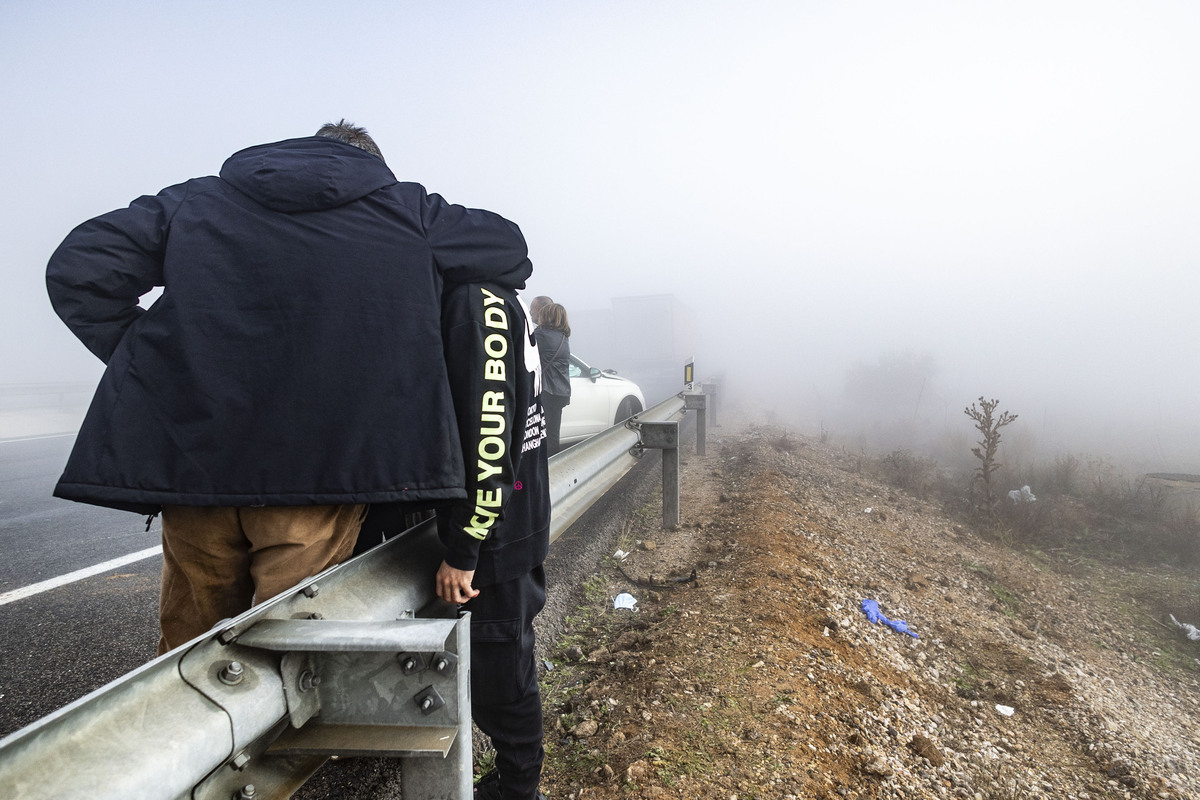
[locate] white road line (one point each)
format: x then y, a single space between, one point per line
78 575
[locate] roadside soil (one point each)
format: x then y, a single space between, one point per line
1033 675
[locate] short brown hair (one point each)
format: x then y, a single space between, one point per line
352 134
537 304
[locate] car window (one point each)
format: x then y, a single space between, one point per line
575 370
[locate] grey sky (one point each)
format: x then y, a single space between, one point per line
1011 187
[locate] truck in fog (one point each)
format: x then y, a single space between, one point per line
646 338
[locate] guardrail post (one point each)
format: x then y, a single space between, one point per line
435 778
665 436
698 402
710 389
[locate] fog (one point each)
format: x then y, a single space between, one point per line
1005 194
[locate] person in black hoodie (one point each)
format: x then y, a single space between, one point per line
291 372
496 539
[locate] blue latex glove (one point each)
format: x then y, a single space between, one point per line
871 609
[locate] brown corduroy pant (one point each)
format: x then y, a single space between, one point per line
219 561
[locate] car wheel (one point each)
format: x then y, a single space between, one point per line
629 406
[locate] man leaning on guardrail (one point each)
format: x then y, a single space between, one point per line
496 539
291 372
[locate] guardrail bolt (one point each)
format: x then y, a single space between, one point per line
232 673
428 700
411 662
443 663
246 792
240 761
309 681
312 591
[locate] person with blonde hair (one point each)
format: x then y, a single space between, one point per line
553 335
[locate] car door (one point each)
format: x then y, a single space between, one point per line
589 411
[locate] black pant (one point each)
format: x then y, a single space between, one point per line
552 407
505 701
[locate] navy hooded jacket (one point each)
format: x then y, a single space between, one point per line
295 355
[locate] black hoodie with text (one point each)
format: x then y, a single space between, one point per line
502 529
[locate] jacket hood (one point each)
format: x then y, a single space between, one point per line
309 174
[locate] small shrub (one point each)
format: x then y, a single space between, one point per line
1029 522
1105 489
1181 537
1061 477
785 443
914 474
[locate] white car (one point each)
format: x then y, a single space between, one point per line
599 400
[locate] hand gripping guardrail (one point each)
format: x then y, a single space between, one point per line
363 659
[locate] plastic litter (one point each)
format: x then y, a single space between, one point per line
871 609
620 555
1022 495
1007 711
625 600
1191 631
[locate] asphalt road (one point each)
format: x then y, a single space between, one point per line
42 536
60 644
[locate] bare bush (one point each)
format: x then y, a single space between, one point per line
1105 488
1181 529
1028 521
988 423
785 443
1061 477
912 473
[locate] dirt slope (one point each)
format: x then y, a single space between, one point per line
764 679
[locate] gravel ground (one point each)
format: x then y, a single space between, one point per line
1031 677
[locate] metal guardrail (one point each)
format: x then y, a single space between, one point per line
361 659
190 724
581 474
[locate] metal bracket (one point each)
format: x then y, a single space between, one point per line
660 435
710 389
349 687
698 402
639 448
300 681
